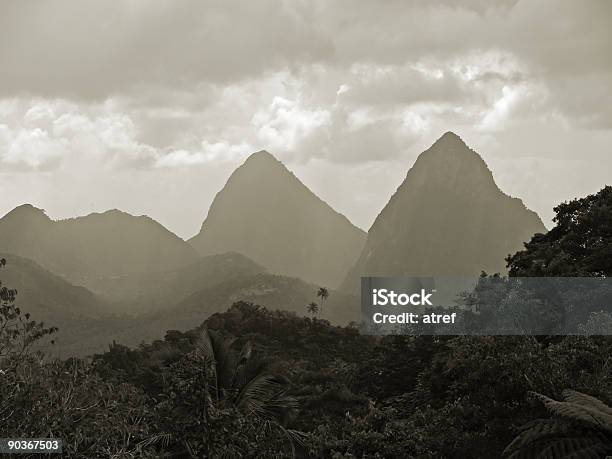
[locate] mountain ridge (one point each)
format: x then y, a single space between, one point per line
98 244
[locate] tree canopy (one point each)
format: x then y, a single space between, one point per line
580 244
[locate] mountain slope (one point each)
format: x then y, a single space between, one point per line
44 295
77 312
147 292
448 218
272 291
84 248
267 214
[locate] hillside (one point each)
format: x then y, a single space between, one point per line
272 291
48 298
148 292
83 249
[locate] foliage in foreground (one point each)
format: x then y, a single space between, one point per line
581 427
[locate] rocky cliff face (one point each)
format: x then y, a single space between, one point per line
448 218
267 214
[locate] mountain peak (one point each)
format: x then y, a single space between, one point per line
451 164
448 218
115 212
449 141
267 214
450 136
27 211
262 154
86 248
27 207
262 157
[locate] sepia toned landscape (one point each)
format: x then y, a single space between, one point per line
191 195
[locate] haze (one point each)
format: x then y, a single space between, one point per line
148 107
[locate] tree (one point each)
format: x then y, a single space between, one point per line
241 380
68 400
581 427
579 245
226 401
322 293
17 331
63 399
313 308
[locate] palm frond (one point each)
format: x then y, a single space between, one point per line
204 347
261 395
576 412
225 359
564 446
163 439
295 437
579 398
249 369
537 430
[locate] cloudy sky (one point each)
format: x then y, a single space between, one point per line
148 106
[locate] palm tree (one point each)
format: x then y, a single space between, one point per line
323 293
581 427
247 384
237 380
240 380
313 308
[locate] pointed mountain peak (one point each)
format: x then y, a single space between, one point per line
450 161
262 155
261 165
450 142
447 218
450 136
267 214
262 158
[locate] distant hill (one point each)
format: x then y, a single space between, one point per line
448 218
147 292
48 298
179 300
272 291
82 249
267 214
89 322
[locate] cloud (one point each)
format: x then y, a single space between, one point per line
156 93
52 135
210 152
29 149
95 49
171 56
285 125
